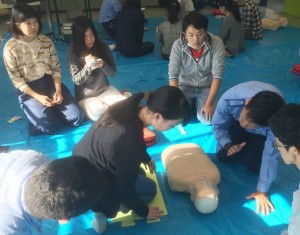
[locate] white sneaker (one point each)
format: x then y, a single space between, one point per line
112 47
99 222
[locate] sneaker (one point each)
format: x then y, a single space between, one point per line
112 47
99 222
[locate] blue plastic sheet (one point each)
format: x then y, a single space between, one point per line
268 60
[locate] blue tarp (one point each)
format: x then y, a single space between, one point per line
267 60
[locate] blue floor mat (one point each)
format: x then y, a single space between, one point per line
267 60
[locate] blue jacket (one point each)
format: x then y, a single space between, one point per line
109 10
228 109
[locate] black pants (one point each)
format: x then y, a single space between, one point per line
110 27
143 49
251 152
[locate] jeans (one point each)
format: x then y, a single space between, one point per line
198 95
46 120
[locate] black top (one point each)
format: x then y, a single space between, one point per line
130 29
118 151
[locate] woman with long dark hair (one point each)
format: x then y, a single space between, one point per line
231 30
116 146
90 62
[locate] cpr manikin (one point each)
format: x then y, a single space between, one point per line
190 170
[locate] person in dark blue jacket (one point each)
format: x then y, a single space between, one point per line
130 30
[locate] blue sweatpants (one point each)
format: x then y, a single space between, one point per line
46 120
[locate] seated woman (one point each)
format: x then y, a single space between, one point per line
251 20
231 30
170 30
190 170
90 62
34 68
130 30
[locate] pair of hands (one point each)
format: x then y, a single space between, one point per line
263 203
93 62
48 102
154 212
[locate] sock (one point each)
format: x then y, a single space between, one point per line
99 223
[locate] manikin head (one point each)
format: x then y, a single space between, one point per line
205 196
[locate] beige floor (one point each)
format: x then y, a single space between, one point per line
149 12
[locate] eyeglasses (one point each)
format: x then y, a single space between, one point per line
275 145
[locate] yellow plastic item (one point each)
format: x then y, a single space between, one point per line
130 218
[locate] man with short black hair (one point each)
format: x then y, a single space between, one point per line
285 125
240 125
33 188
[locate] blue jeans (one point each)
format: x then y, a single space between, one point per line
198 95
109 203
111 27
46 120
145 188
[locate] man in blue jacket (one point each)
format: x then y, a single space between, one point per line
240 126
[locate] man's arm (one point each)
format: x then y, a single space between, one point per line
268 173
175 63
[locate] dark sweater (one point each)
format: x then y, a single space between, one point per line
130 29
118 151
87 82
232 34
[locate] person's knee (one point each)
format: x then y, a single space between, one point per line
222 155
76 119
147 190
48 128
152 190
202 119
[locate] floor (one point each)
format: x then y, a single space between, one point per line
266 60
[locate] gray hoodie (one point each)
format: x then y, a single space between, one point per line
190 72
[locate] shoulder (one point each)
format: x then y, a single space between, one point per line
70 51
215 40
163 24
43 38
11 43
178 44
103 44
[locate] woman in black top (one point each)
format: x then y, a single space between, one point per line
116 146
